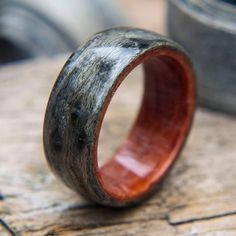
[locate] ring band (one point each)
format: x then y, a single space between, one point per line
79 100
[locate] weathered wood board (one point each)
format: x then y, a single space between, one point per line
197 197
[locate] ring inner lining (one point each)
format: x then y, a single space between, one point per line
157 133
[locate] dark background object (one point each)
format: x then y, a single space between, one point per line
207 30
11 52
230 1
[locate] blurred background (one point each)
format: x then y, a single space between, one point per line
44 28
206 29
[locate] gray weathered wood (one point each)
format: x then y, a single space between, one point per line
79 99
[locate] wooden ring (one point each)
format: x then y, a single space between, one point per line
80 98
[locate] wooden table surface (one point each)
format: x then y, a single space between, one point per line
197 197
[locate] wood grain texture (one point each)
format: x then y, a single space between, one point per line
197 198
79 100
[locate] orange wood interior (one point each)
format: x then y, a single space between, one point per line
158 132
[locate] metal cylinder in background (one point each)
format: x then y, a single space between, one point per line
44 28
207 30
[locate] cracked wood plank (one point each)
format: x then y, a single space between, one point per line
197 197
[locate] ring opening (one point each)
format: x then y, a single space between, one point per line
157 134
120 115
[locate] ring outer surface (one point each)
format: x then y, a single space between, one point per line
80 97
